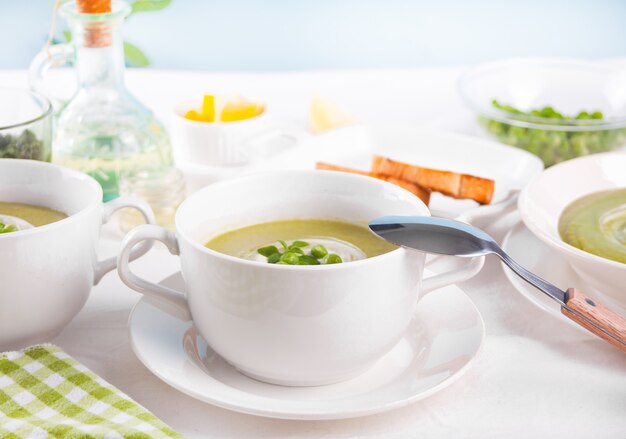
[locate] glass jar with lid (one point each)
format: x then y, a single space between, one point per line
25 125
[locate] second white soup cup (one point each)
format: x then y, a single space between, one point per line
47 272
541 205
292 325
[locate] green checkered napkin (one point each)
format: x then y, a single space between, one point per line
46 393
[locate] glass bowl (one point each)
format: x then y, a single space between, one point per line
25 125
556 109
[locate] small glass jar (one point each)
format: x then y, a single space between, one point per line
162 188
25 125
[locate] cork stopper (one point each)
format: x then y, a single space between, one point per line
93 6
96 34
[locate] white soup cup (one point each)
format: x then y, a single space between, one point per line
543 200
46 272
292 325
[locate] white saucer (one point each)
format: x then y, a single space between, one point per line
531 253
438 348
353 146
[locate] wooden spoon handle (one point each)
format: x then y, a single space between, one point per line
595 317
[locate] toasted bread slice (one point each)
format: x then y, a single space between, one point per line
420 192
448 183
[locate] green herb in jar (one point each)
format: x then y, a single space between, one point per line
24 146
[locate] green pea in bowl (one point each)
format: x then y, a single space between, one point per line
556 109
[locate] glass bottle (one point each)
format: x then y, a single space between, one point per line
102 130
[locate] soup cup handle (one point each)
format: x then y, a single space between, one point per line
468 269
106 265
167 299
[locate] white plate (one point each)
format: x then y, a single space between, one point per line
353 146
533 254
438 348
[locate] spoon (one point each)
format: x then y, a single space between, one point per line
449 237
17 222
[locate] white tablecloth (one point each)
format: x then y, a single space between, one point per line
536 376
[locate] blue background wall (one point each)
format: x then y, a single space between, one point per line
312 34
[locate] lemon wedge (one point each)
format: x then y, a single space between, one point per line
325 115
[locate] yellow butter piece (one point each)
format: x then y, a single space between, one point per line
240 109
231 111
325 115
206 113
208 108
193 115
